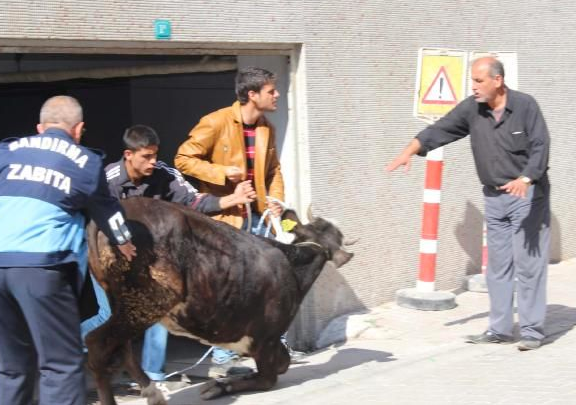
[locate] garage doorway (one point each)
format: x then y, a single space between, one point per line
169 93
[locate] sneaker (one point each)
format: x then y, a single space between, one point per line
170 386
488 337
295 356
529 343
230 368
167 388
163 385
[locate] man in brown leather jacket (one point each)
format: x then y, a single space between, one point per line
231 145
237 143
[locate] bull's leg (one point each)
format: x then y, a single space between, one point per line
149 389
105 394
100 363
271 359
283 360
107 347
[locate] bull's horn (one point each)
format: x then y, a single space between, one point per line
350 241
309 213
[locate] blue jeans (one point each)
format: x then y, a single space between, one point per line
254 228
155 338
154 352
220 355
261 229
88 325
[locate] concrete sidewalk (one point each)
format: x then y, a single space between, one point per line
403 356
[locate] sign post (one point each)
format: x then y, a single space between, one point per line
440 85
440 82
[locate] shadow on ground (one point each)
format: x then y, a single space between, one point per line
463 321
341 360
560 319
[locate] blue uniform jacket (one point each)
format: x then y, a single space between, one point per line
48 185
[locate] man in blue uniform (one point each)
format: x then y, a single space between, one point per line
48 184
140 174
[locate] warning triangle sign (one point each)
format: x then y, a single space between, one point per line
441 90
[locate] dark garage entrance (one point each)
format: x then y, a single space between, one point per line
172 103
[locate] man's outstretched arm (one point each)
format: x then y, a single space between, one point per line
404 158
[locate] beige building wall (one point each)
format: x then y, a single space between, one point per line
353 68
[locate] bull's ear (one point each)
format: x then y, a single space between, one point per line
291 215
341 257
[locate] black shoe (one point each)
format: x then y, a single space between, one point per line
529 343
488 337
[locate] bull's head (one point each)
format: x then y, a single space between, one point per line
324 233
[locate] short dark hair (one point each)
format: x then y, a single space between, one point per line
140 136
252 79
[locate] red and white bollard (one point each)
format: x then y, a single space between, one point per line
430 220
425 296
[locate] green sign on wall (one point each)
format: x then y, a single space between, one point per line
162 29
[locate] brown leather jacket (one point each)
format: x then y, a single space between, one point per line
216 142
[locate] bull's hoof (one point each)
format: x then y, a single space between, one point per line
215 388
154 395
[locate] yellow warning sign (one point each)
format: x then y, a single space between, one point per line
441 82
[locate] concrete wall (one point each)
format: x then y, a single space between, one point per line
353 92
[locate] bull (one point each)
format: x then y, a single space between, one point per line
208 281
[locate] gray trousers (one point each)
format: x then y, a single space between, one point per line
518 234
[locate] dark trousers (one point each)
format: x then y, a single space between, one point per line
518 251
40 332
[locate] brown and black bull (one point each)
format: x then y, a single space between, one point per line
208 281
